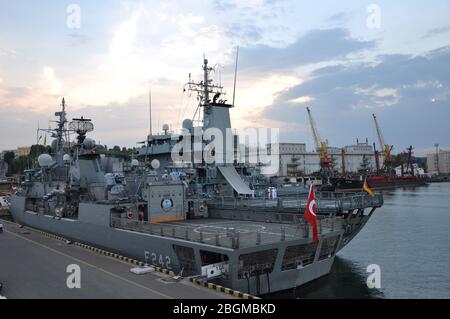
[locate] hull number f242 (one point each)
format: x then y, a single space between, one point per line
159 260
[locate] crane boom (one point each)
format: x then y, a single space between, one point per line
380 135
316 137
321 146
386 148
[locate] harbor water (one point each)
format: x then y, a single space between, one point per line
409 238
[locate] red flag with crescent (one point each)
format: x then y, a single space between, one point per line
311 213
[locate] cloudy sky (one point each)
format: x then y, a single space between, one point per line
345 60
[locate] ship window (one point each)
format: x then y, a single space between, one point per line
209 257
328 248
186 258
298 256
257 263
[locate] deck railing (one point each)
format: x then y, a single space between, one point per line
326 202
227 237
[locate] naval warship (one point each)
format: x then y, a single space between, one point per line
196 218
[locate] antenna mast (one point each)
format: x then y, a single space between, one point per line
235 74
150 108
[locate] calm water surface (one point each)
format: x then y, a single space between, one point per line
409 238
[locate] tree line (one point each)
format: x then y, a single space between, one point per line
16 165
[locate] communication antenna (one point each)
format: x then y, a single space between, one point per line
150 108
235 74
37 134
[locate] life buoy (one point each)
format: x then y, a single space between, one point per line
166 204
129 215
202 209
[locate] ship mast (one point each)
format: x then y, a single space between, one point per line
204 89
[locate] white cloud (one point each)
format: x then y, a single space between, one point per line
384 97
51 84
301 100
188 23
253 95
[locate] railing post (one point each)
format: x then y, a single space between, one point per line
173 232
162 231
217 240
186 234
201 236
283 234
258 238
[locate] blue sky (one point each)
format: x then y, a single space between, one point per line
294 54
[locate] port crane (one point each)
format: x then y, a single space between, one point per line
326 162
386 148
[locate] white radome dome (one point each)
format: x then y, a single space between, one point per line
67 158
88 143
45 160
134 162
187 124
155 164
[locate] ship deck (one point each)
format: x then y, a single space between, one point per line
231 233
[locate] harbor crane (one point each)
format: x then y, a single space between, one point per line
386 148
326 163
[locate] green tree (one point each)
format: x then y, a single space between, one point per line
9 157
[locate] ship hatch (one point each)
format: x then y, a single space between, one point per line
209 257
256 263
186 258
233 178
298 256
329 246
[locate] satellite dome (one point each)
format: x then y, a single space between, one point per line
187 124
155 164
88 143
134 162
45 160
66 158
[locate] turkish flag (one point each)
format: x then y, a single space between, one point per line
310 213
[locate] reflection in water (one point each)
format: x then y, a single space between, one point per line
344 281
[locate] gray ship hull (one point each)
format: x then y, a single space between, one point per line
93 227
